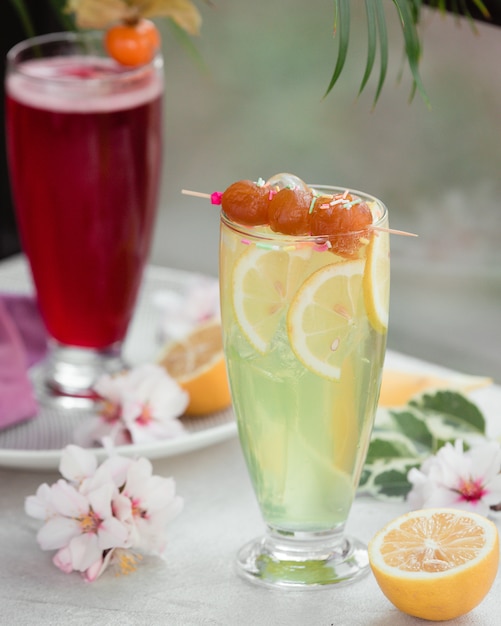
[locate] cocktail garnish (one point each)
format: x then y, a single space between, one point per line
289 212
130 37
246 202
289 206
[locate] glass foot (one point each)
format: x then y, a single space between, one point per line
68 375
303 560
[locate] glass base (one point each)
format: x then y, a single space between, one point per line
68 376
303 560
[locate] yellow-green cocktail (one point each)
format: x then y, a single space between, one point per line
304 325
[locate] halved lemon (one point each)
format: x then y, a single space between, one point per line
436 564
324 315
377 281
197 364
263 281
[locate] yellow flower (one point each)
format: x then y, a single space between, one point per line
100 14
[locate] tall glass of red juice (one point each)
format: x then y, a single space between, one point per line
84 141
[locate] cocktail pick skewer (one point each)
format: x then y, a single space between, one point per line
381 229
214 197
197 194
393 231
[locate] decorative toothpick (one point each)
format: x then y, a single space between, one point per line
215 198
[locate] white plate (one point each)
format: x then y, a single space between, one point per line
49 459
37 443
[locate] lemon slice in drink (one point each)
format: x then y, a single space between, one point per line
377 281
322 319
263 282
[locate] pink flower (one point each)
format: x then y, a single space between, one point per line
99 515
151 405
139 406
40 505
153 504
82 526
453 478
77 464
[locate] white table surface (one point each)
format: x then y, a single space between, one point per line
196 584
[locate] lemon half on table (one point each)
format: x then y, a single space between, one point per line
436 564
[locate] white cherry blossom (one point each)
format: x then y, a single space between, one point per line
101 515
460 479
153 504
82 524
140 405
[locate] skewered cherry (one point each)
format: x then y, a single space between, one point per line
246 202
335 216
289 212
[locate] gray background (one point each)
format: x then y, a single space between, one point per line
258 109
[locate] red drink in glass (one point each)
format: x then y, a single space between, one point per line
84 141
85 184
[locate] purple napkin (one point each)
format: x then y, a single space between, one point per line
23 342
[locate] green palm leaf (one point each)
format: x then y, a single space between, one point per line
58 8
383 48
370 7
342 27
24 16
461 7
409 12
412 45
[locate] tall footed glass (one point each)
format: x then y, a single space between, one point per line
304 326
84 140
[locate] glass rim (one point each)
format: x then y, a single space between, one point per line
14 63
254 233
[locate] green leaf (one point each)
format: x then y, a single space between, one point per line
403 438
24 16
455 408
388 479
388 445
342 27
392 484
463 8
364 478
383 48
412 425
416 8
58 8
444 430
412 45
482 8
371 42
